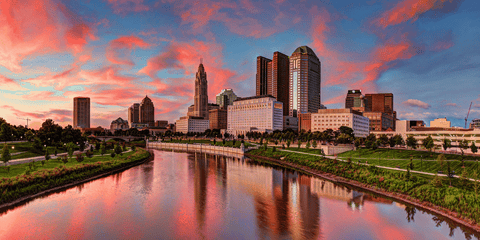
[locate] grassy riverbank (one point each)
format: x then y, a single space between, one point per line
461 197
386 153
24 179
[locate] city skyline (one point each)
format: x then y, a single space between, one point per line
116 52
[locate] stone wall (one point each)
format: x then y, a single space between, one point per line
206 148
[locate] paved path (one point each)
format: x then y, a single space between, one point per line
390 168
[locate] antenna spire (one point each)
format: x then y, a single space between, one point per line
201 60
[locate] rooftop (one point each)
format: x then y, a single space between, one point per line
254 97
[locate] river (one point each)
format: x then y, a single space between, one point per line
199 196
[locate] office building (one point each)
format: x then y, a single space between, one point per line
258 114
305 82
440 122
147 112
81 112
225 98
200 104
218 118
134 113
356 101
380 102
475 123
118 124
161 123
305 122
192 124
335 118
290 123
273 78
380 121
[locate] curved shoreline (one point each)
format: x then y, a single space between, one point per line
5 207
397 196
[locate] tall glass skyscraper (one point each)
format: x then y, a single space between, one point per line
305 82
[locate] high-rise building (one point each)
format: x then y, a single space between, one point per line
147 112
273 78
225 98
380 102
262 75
200 104
335 118
218 118
81 112
133 113
305 82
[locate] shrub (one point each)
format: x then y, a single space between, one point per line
102 149
89 154
79 157
118 150
47 156
42 162
274 149
64 159
91 148
133 148
97 146
55 151
112 154
283 146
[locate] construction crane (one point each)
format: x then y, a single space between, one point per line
468 113
26 119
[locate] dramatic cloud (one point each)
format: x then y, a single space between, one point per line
9 84
186 57
57 115
120 49
407 10
416 103
125 6
31 28
43 95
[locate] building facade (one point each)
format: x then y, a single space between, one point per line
335 118
119 124
81 112
225 98
380 102
356 101
258 114
305 122
305 82
380 121
475 123
440 122
262 75
147 112
200 103
218 118
161 123
290 123
192 124
134 113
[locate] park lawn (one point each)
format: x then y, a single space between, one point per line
19 147
278 154
19 169
387 153
28 151
310 150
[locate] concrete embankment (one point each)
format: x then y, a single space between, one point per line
204 148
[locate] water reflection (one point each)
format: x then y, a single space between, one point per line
199 196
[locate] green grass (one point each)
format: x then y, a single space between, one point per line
28 151
311 150
19 169
400 154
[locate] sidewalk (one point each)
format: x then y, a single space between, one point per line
389 168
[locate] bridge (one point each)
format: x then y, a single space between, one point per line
121 138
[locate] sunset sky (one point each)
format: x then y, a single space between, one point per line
425 52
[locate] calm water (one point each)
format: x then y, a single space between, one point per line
194 196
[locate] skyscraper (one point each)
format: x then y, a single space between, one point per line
226 96
356 101
262 75
305 82
273 77
201 93
133 113
147 112
81 112
380 102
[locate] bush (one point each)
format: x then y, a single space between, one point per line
79 157
47 156
112 154
97 146
89 154
118 149
133 148
64 159
91 148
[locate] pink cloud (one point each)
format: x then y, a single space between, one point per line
120 49
124 6
416 103
43 95
186 56
53 29
407 10
58 115
9 84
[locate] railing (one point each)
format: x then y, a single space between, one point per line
207 148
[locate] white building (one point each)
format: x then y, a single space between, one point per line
455 135
440 122
335 118
192 124
258 114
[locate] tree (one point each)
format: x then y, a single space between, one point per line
314 144
118 149
473 148
5 132
446 143
288 143
47 155
50 132
6 154
308 145
383 139
37 145
374 145
358 142
411 142
441 160
346 130
411 163
70 148
29 135
428 143
392 141
102 149
399 140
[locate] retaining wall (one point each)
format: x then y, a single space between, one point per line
206 148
